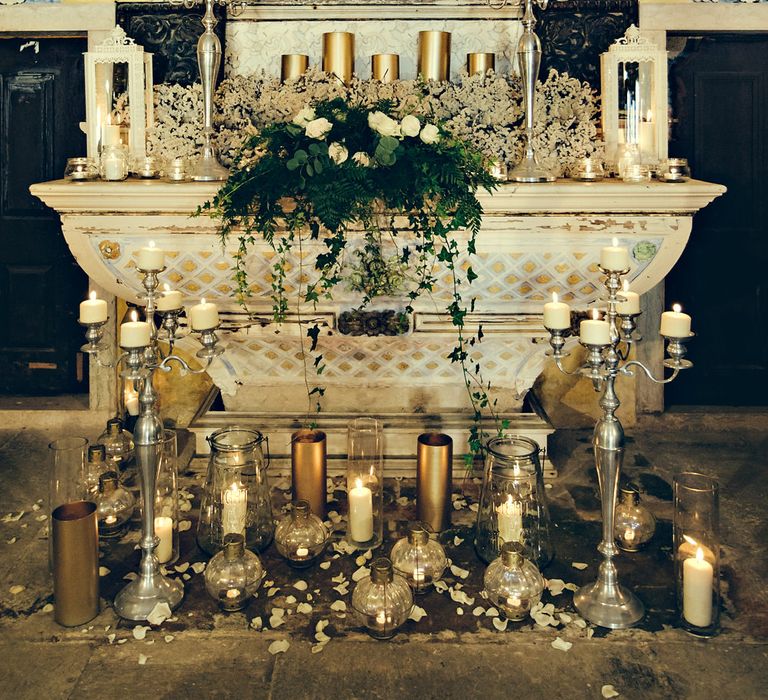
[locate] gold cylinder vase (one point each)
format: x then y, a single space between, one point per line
434 463
434 56
480 62
309 469
75 563
293 65
385 67
339 55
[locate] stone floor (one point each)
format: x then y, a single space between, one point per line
205 654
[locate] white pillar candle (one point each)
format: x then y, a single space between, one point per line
114 167
360 512
93 310
593 331
675 324
629 302
233 514
204 316
510 518
557 314
111 135
647 138
150 258
164 531
169 300
614 257
698 577
134 334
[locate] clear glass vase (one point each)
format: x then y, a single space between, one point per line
419 559
233 574
383 600
167 500
365 483
513 584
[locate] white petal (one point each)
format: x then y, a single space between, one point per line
185 525
15 590
338 579
198 567
272 591
317 648
275 621
458 571
257 624
322 637
160 613
491 612
402 501
417 613
304 608
325 565
181 568
441 586
555 586
500 624
169 638
580 565
361 573
561 644
478 611
608 691
457 541
142 659
360 561
459 611
111 638
48 607
279 647
338 606
139 632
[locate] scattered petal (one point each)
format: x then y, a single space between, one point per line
160 613
139 632
48 607
500 624
459 504
478 611
317 648
491 612
304 608
130 576
458 571
342 588
279 646
459 611
565 618
555 585
441 586
474 507
417 613
122 641
608 691
142 659
321 625
12 518
15 590
338 606
300 585
111 638
571 587
36 507
41 518
360 561
590 632
257 624
181 568
339 579
325 565
168 638
275 622
547 486
186 577
12 540
322 637
457 541
361 573
198 567
185 525
402 501
580 565
561 644
580 623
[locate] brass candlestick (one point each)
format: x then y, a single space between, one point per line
385 67
339 55
434 55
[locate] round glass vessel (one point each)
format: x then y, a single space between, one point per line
114 507
300 536
95 466
382 601
118 444
81 169
114 163
513 584
233 575
674 170
419 559
634 524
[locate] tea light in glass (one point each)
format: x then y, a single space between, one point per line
589 170
301 537
420 559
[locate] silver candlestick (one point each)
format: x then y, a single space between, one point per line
137 600
606 602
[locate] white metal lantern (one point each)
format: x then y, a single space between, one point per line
634 96
101 122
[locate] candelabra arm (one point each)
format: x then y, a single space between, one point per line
635 363
165 365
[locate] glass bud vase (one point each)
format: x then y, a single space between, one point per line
419 559
300 536
114 507
233 574
634 524
118 444
513 584
696 548
365 483
383 600
236 497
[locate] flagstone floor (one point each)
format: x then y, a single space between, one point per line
202 653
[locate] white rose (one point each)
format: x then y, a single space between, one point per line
306 115
382 124
338 153
410 125
318 128
430 134
362 159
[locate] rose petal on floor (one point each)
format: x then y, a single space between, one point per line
561 644
279 646
608 691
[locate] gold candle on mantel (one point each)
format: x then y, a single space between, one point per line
339 55
480 62
434 484
385 67
309 469
293 65
434 55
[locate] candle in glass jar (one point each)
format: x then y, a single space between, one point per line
134 334
675 324
614 257
698 576
302 552
150 258
204 316
234 512
113 167
629 302
557 314
169 300
93 310
360 512
593 331
510 518
164 532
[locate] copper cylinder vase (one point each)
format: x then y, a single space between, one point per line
75 563
293 65
480 63
434 464
339 55
309 469
385 67
434 61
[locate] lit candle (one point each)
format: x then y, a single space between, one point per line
113 166
557 314
629 535
629 302
204 316
614 257
510 519
647 138
150 258
233 593
302 552
697 590
93 310
111 135
164 532
675 324
169 300
110 520
360 512
235 509
690 546
131 401
593 331
134 334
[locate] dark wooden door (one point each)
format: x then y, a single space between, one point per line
719 90
41 106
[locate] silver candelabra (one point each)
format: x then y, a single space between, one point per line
137 600
606 602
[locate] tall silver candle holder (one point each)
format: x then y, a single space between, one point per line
137 600
606 602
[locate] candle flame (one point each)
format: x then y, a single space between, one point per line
649 116
234 488
554 297
134 315
615 242
166 287
202 301
595 314
677 308
690 540
699 554
151 244
92 296
626 285
358 483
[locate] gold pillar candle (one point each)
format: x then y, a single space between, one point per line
385 67
434 463
339 55
293 65
75 563
434 55
480 62
309 469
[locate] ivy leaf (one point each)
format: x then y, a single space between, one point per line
471 275
313 333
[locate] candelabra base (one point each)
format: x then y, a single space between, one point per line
528 170
612 606
207 167
137 600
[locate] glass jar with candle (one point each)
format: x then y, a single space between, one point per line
513 505
513 584
383 600
233 575
696 549
634 524
81 169
114 507
113 164
365 483
167 500
236 497
178 169
418 558
95 466
118 444
147 167
674 170
301 537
